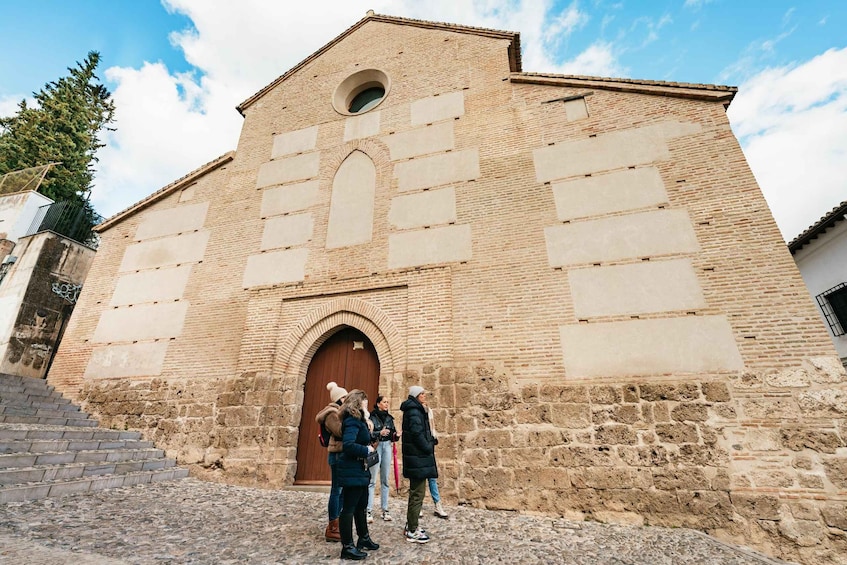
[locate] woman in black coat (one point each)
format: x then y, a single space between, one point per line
418 459
353 476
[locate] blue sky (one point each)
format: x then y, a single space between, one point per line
178 68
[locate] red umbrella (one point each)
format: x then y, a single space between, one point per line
396 468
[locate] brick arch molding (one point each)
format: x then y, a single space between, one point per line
300 345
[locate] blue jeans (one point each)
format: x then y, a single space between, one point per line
384 470
335 499
433 490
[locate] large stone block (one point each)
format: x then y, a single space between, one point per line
281 171
429 247
141 322
161 285
165 252
421 141
437 108
431 208
437 170
608 151
619 191
296 141
637 288
182 219
691 344
131 360
275 268
643 234
280 200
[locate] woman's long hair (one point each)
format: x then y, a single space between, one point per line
352 405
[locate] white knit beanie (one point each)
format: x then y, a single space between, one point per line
415 391
335 391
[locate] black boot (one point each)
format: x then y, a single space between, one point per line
367 543
349 551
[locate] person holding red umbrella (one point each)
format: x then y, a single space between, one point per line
385 430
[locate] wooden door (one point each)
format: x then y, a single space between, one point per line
348 358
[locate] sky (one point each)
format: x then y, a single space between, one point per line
178 68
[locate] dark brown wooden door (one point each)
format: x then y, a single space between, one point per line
348 358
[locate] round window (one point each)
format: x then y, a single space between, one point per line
360 92
366 99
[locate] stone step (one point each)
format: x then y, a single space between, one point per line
13 384
14 419
64 471
9 432
55 445
17 410
87 484
34 459
27 398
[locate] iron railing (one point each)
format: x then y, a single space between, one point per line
833 304
69 219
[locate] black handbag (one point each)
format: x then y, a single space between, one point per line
371 459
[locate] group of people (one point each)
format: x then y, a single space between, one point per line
354 434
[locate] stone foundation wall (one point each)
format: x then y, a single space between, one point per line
757 459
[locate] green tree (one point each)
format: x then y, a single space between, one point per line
63 127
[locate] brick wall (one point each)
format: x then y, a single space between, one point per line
756 450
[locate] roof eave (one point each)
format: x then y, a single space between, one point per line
178 184
714 93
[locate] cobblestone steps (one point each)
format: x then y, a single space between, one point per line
49 448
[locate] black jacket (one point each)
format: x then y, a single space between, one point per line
349 469
418 443
382 420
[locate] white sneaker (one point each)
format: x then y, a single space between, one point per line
386 516
418 536
370 517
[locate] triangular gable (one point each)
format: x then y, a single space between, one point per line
178 184
658 88
514 48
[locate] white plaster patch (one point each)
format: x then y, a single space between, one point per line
646 234
614 150
691 344
576 109
287 231
360 127
637 288
429 208
437 108
619 191
289 198
421 141
172 221
437 170
427 247
291 169
296 141
143 322
133 360
151 286
351 209
165 252
275 268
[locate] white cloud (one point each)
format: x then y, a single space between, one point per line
792 124
9 105
168 124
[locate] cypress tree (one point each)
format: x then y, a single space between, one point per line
63 127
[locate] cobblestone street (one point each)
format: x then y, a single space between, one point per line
196 522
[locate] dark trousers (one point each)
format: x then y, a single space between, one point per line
417 489
354 507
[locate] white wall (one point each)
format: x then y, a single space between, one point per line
17 212
823 264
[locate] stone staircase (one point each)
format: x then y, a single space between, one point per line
48 447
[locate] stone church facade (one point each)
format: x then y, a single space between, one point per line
582 270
